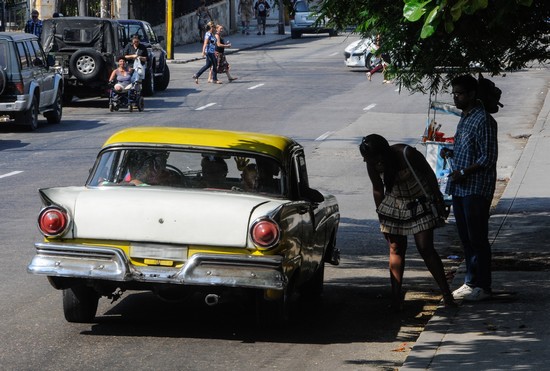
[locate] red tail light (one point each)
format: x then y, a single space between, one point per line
265 233
53 221
16 88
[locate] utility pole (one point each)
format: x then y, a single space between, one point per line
281 23
170 29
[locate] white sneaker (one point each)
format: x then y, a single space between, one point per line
463 290
477 294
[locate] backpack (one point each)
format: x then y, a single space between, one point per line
489 94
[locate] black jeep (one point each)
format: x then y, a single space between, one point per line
86 48
157 74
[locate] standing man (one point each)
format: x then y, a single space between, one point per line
472 186
245 10
34 25
135 49
261 11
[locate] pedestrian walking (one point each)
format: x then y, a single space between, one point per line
209 51
404 188
261 11
34 25
222 64
472 186
245 10
204 17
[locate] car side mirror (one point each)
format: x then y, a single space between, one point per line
313 195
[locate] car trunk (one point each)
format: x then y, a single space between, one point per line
148 214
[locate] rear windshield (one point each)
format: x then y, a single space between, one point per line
8 60
249 173
301 6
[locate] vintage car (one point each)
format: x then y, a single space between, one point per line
182 211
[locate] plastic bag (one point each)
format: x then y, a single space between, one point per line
139 71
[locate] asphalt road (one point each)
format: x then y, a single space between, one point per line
299 88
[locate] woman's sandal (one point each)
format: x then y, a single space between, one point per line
196 79
209 81
217 82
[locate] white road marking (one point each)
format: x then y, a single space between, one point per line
333 54
369 107
10 174
205 106
255 86
324 136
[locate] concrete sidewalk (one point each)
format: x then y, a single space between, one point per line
512 330
193 52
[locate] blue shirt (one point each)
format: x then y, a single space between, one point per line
211 48
476 143
34 27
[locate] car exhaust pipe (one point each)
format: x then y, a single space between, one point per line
212 299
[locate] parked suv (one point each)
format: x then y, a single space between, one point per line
86 49
157 75
28 86
306 21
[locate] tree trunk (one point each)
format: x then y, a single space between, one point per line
105 9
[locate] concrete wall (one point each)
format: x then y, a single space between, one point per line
225 13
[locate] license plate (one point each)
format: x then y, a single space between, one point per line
159 252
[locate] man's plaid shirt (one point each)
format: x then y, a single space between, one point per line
476 143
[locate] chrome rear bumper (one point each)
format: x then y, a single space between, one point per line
107 263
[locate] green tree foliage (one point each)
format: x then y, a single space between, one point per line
430 41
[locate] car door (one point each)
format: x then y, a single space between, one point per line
39 68
305 210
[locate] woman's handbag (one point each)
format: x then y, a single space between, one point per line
433 204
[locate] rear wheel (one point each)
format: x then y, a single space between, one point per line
140 104
54 116
80 304
30 117
273 311
314 287
295 34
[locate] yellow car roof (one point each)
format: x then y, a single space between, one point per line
269 144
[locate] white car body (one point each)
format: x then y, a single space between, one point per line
357 53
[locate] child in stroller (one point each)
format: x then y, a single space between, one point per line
126 89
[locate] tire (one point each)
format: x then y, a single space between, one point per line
371 61
272 313
3 79
80 304
313 288
140 104
111 107
149 83
163 82
333 33
86 64
29 118
295 34
67 98
54 117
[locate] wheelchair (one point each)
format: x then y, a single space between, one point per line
130 97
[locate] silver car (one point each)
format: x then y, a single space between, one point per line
28 86
306 21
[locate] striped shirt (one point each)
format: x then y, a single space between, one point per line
476 143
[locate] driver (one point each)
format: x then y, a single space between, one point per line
149 168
